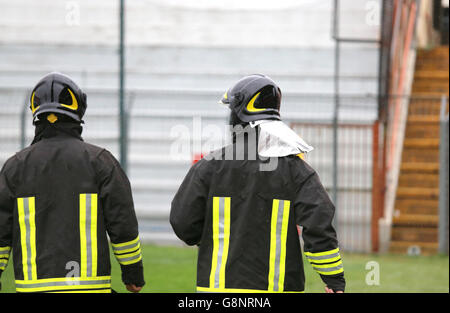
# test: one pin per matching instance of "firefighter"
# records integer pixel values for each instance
(241, 204)
(60, 198)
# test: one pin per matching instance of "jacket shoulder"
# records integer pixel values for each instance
(299, 168)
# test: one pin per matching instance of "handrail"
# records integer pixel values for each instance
(402, 58)
(400, 65)
(443, 178)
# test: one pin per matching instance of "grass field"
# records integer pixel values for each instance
(173, 269)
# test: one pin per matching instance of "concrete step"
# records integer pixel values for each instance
(421, 143)
(417, 167)
(441, 52)
(422, 130)
(430, 87)
(424, 74)
(415, 206)
(418, 180)
(416, 220)
(420, 193)
(426, 119)
(420, 155)
(430, 81)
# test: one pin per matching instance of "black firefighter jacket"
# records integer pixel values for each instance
(59, 198)
(245, 219)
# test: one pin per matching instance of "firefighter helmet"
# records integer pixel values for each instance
(57, 93)
(254, 97)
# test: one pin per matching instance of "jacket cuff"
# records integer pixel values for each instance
(335, 282)
(133, 274)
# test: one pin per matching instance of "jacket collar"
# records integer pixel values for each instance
(59, 129)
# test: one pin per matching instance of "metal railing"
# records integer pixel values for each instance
(443, 178)
(361, 145)
(397, 55)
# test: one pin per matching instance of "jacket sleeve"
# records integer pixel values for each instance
(314, 211)
(120, 218)
(187, 214)
(6, 216)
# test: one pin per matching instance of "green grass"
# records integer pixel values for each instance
(173, 269)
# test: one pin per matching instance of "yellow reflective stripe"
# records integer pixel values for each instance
(221, 240)
(63, 283)
(33, 109)
(215, 224)
(283, 244)
(226, 242)
(278, 240)
(70, 287)
(5, 249)
(83, 291)
(131, 261)
(235, 290)
(328, 265)
(273, 243)
(251, 104)
(117, 252)
(325, 260)
(27, 215)
(341, 270)
(83, 242)
(127, 255)
(32, 220)
(88, 234)
(123, 244)
(62, 279)
(322, 253)
(4, 254)
(74, 105)
(23, 236)
(94, 233)
(126, 252)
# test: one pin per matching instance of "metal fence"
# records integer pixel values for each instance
(155, 176)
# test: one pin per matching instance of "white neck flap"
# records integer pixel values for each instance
(276, 139)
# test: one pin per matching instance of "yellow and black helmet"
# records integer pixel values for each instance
(57, 93)
(254, 97)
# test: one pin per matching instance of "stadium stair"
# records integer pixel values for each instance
(416, 218)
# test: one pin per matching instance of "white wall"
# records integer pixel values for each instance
(282, 23)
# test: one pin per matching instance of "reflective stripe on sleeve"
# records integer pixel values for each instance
(326, 262)
(4, 257)
(128, 252)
